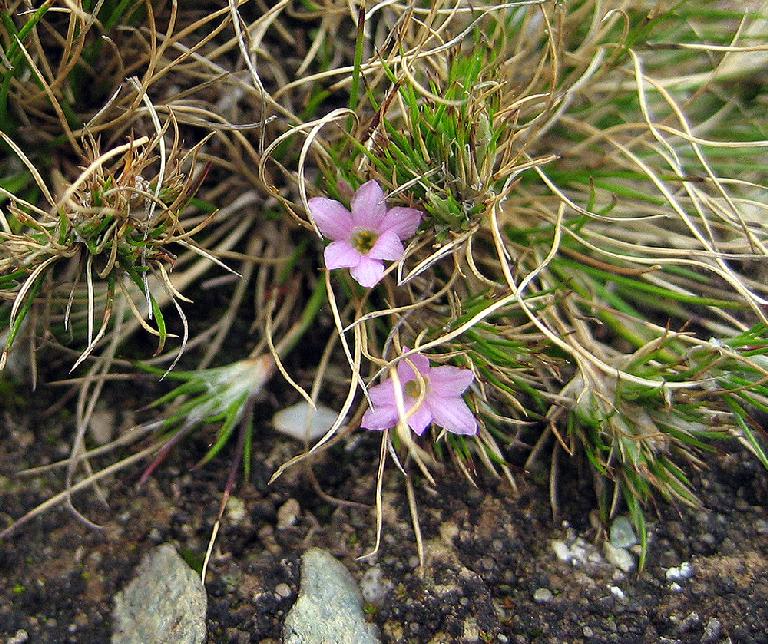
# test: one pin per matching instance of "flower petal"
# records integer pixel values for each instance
(402, 221)
(379, 418)
(387, 246)
(452, 414)
(341, 254)
(333, 219)
(369, 206)
(383, 394)
(450, 381)
(420, 419)
(405, 372)
(368, 272)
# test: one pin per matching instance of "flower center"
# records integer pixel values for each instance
(363, 240)
(413, 389)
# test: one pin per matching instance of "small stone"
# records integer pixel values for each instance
(375, 586)
(688, 623)
(578, 553)
(761, 525)
(283, 591)
(19, 637)
(561, 550)
(622, 533)
(471, 631)
(711, 631)
(594, 557)
(304, 422)
(543, 595)
(235, 510)
(680, 573)
(619, 557)
(617, 592)
(165, 602)
(287, 514)
(329, 607)
(675, 587)
(102, 425)
(587, 632)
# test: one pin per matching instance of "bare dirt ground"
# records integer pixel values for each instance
(487, 552)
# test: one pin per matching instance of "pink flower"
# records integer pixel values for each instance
(362, 239)
(442, 403)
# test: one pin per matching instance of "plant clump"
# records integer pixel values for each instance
(558, 206)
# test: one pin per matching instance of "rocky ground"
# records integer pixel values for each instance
(498, 569)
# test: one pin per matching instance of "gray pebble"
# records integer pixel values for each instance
(543, 595)
(329, 607)
(711, 631)
(165, 602)
(622, 533)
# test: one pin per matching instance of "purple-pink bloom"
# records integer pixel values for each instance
(442, 403)
(362, 239)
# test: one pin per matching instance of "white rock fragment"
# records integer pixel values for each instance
(303, 423)
(20, 637)
(682, 572)
(619, 557)
(577, 553)
(562, 551)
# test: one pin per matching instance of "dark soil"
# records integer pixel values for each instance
(487, 552)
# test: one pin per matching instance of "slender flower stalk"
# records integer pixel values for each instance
(441, 398)
(363, 239)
